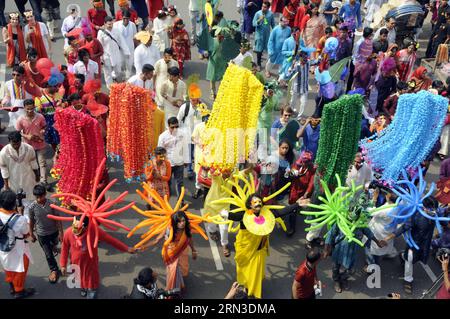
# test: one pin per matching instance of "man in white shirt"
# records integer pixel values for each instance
(161, 72)
(116, 51)
(390, 26)
(71, 22)
(360, 173)
(144, 79)
(176, 145)
(128, 30)
(86, 66)
(173, 92)
(15, 262)
(145, 53)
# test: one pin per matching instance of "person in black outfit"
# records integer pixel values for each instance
(145, 286)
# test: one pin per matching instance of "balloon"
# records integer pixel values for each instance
(44, 65)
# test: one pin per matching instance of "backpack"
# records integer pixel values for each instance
(186, 111)
(7, 235)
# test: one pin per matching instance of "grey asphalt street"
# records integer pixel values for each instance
(205, 281)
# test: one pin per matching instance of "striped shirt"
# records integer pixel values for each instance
(302, 80)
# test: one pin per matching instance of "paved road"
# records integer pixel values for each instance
(205, 281)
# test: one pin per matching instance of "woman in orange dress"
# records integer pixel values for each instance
(14, 41)
(158, 173)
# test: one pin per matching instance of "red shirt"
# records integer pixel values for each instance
(133, 14)
(443, 293)
(305, 277)
(33, 127)
(96, 18)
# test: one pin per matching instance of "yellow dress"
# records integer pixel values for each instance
(251, 261)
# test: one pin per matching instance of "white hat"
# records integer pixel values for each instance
(73, 6)
(336, 4)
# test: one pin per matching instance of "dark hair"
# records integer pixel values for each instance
(162, 14)
(384, 31)
(248, 202)
(19, 69)
(174, 71)
(328, 30)
(172, 120)
(73, 97)
(313, 6)
(8, 200)
(147, 68)
(367, 32)
(168, 51)
(126, 14)
(109, 19)
(39, 190)
(28, 102)
(287, 109)
(85, 220)
(32, 51)
(175, 218)
(80, 77)
(313, 255)
(71, 39)
(437, 84)
(160, 150)
(15, 137)
(145, 277)
(82, 53)
(344, 28)
(179, 21)
(266, 3)
(205, 118)
(306, 2)
(290, 156)
(338, 20)
(430, 203)
(401, 85)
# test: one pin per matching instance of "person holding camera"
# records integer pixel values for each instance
(145, 286)
(444, 292)
(15, 254)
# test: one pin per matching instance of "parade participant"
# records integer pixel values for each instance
(173, 91)
(360, 173)
(73, 246)
(97, 16)
(323, 40)
(14, 41)
(263, 22)
(386, 83)
(92, 90)
(86, 66)
(173, 14)
(363, 48)
(421, 79)
(144, 79)
(350, 12)
(180, 43)
(145, 286)
(71, 22)
(161, 28)
(76, 103)
(390, 104)
(270, 103)
(162, 67)
(50, 13)
(314, 28)
(116, 52)
(18, 166)
(71, 53)
(381, 44)
(289, 51)
(390, 24)
(141, 8)
(364, 75)
(146, 52)
(444, 292)
(32, 127)
(299, 92)
(344, 48)
(201, 173)
(277, 6)
(290, 11)
(286, 114)
(244, 54)
(406, 61)
(128, 29)
(302, 179)
(154, 6)
(125, 7)
(380, 123)
(276, 40)
(93, 46)
(16, 261)
(250, 9)
(37, 36)
(31, 72)
(306, 278)
(174, 141)
(76, 86)
(48, 232)
(311, 134)
(158, 172)
(15, 93)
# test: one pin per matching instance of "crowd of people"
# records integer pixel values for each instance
(146, 44)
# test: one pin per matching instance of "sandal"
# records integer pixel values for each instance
(337, 287)
(226, 251)
(407, 286)
(214, 236)
(53, 277)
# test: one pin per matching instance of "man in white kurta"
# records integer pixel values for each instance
(128, 31)
(144, 79)
(15, 262)
(18, 166)
(146, 52)
(161, 73)
(115, 49)
(174, 94)
(360, 173)
(71, 22)
(15, 94)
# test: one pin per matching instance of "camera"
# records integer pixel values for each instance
(163, 294)
(20, 196)
(443, 253)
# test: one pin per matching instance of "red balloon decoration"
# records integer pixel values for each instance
(44, 65)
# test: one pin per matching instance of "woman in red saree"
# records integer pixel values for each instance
(181, 44)
(314, 28)
(290, 11)
(158, 173)
(14, 41)
(406, 59)
(421, 80)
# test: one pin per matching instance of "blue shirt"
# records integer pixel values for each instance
(311, 139)
(351, 13)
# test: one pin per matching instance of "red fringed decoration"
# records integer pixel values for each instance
(97, 214)
(130, 128)
(81, 151)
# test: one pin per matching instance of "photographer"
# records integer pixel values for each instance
(145, 286)
(444, 292)
(15, 254)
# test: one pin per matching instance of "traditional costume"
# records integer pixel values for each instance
(38, 38)
(161, 76)
(406, 62)
(15, 42)
(71, 22)
(15, 94)
(96, 16)
(128, 33)
(262, 32)
(160, 27)
(181, 44)
(250, 9)
(276, 41)
(144, 54)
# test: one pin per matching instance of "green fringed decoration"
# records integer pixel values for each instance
(340, 129)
